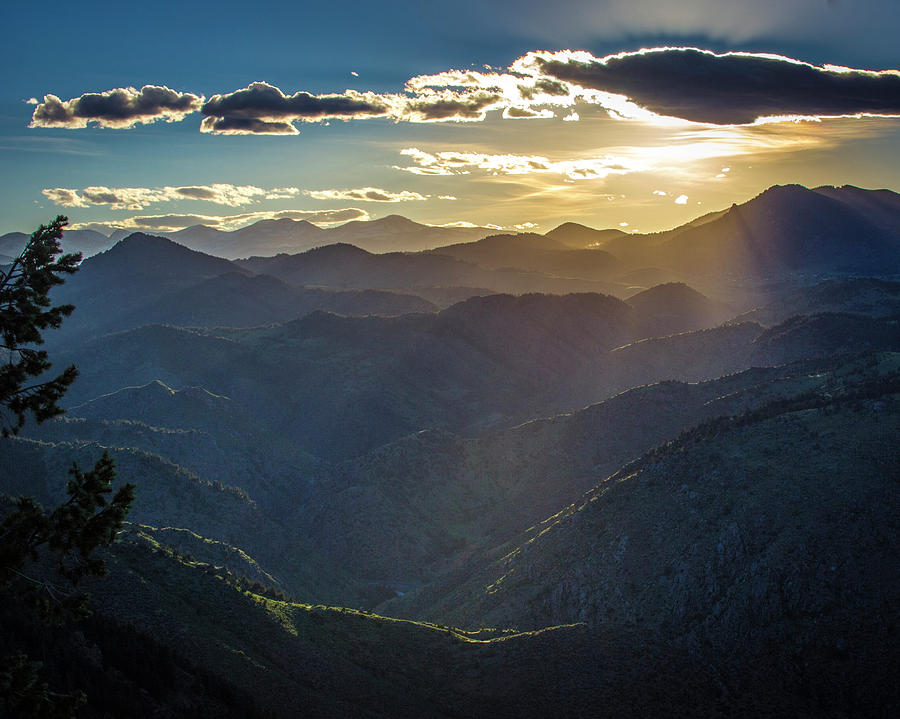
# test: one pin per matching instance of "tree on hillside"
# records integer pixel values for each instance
(45, 553)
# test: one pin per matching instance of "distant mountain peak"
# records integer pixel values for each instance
(142, 239)
(144, 253)
(577, 235)
(782, 193)
(570, 226)
(396, 221)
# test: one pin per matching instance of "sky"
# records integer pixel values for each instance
(633, 114)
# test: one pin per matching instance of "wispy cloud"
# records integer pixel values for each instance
(120, 108)
(174, 222)
(54, 145)
(672, 152)
(137, 198)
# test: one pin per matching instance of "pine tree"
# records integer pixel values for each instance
(45, 553)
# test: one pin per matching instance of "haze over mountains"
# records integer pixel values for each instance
(531, 475)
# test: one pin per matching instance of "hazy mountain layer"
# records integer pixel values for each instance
(146, 279)
(785, 229)
(341, 385)
(87, 242)
(270, 237)
(349, 267)
(536, 253)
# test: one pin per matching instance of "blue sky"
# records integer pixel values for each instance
(645, 166)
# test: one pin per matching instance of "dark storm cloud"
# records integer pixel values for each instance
(731, 88)
(122, 107)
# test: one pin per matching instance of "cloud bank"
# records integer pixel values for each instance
(688, 84)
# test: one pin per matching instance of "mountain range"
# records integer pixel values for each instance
(511, 475)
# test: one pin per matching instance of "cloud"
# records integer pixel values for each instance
(681, 200)
(462, 163)
(120, 108)
(671, 152)
(246, 126)
(366, 194)
(65, 198)
(174, 222)
(465, 224)
(525, 113)
(282, 193)
(448, 106)
(261, 108)
(137, 198)
(732, 88)
(672, 85)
